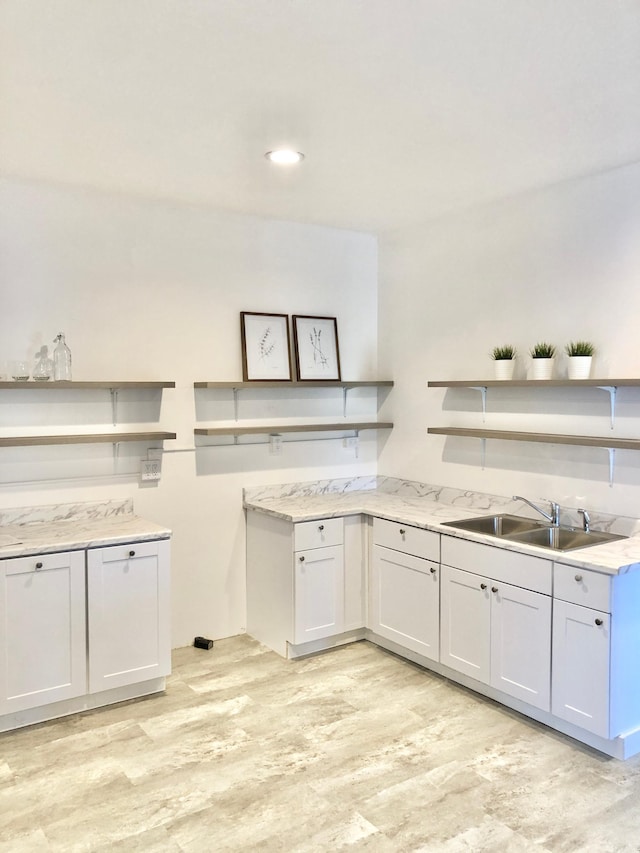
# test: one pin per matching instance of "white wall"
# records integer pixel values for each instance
(150, 290)
(558, 265)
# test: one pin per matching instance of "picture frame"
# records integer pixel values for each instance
(266, 347)
(316, 348)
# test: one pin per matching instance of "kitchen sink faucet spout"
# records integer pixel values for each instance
(553, 516)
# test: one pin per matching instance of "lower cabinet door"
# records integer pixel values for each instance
(318, 594)
(128, 614)
(521, 644)
(580, 683)
(43, 649)
(405, 600)
(465, 623)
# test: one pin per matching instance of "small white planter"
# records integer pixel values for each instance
(542, 368)
(504, 368)
(579, 366)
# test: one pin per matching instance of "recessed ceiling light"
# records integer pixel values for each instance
(284, 156)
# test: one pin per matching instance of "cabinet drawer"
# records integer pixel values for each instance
(318, 534)
(36, 563)
(130, 551)
(582, 586)
(407, 539)
(521, 570)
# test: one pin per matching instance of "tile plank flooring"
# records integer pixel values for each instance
(354, 749)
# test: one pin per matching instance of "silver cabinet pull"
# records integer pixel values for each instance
(302, 559)
(321, 527)
(132, 553)
(483, 586)
(598, 622)
(494, 589)
(578, 578)
(402, 531)
(433, 570)
(39, 565)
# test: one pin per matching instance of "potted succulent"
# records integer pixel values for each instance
(504, 361)
(580, 357)
(542, 354)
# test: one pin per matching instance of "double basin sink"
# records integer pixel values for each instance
(515, 528)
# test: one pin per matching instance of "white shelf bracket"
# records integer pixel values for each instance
(483, 393)
(483, 451)
(344, 402)
(114, 405)
(116, 450)
(612, 389)
(236, 391)
(612, 464)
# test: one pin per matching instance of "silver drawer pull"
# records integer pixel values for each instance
(302, 559)
(494, 589)
(433, 571)
(39, 565)
(321, 527)
(483, 586)
(402, 531)
(578, 578)
(598, 622)
(132, 553)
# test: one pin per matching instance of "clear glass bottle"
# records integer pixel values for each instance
(43, 368)
(61, 359)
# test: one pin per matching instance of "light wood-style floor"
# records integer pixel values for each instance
(353, 750)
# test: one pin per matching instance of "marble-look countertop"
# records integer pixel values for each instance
(72, 527)
(431, 507)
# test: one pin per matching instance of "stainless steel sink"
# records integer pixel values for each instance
(497, 525)
(564, 538)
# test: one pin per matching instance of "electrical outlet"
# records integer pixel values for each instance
(150, 469)
(275, 445)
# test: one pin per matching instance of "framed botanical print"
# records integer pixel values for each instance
(266, 347)
(316, 348)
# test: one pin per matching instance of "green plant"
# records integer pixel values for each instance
(579, 348)
(503, 353)
(543, 350)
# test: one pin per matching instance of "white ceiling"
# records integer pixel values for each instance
(405, 109)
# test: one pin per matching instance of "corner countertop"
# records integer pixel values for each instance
(431, 511)
(73, 527)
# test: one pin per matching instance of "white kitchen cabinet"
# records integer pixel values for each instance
(465, 623)
(305, 582)
(493, 631)
(128, 614)
(42, 630)
(581, 655)
(405, 587)
(319, 593)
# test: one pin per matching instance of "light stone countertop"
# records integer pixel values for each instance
(432, 510)
(73, 527)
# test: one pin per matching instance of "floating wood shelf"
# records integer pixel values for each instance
(535, 383)
(312, 383)
(33, 385)
(276, 429)
(609, 385)
(548, 438)
(88, 438)
(236, 387)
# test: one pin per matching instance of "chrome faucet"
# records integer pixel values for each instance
(586, 520)
(553, 516)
